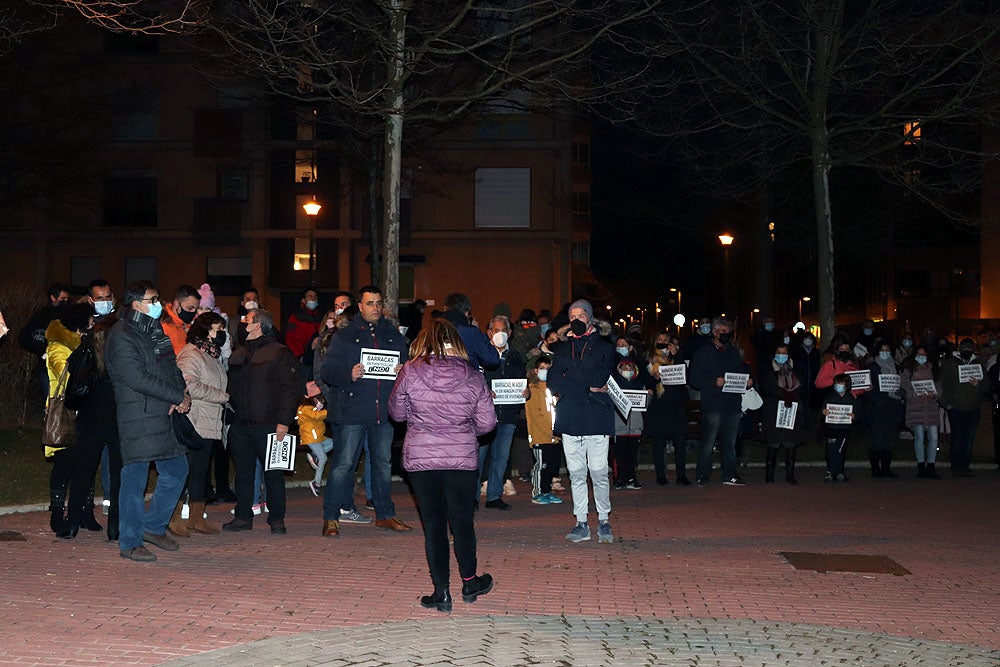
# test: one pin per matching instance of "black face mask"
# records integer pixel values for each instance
(578, 327)
(220, 338)
(844, 356)
(662, 346)
(187, 316)
(966, 355)
(724, 338)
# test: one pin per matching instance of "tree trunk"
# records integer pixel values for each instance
(375, 166)
(824, 235)
(393, 157)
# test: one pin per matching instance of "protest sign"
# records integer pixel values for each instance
(280, 455)
(618, 397)
(839, 414)
(379, 364)
(786, 415)
(860, 379)
(637, 398)
(509, 391)
(923, 388)
(736, 383)
(888, 382)
(968, 372)
(674, 374)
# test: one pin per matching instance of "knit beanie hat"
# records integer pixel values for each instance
(207, 296)
(585, 306)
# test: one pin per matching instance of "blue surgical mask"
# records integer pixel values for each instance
(543, 374)
(628, 375)
(312, 305)
(868, 332)
(768, 326)
(840, 389)
(781, 358)
(103, 308)
(705, 329)
(545, 329)
(884, 355)
(807, 343)
(155, 310)
(623, 351)
(920, 359)
(907, 342)
(787, 340)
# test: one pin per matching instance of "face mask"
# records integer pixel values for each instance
(545, 329)
(840, 389)
(662, 346)
(578, 327)
(338, 311)
(769, 326)
(884, 355)
(868, 332)
(966, 355)
(921, 359)
(724, 338)
(705, 329)
(543, 374)
(807, 343)
(251, 305)
(623, 351)
(993, 343)
(155, 310)
(844, 356)
(500, 338)
(330, 324)
(787, 340)
(187, 317)
(312, 305)
(780, 358)
(907, 343)
(220, 338)
(104, 307)
(628, 375)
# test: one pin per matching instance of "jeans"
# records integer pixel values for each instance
(443, 501)
(583, 451)
(499, 450)
(319, 450)
(248, 445)
(921, 435)
(133, 519)
(963, 434)
(340, 482)
(724, 427)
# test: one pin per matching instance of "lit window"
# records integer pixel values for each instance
(911, 132)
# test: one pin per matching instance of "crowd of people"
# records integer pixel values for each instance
(345, 378)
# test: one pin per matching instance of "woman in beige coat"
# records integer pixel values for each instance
(201, 364)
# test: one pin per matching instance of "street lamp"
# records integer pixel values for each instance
(755, 310)
(312, 209)
(610, 316)
(726, 239)
(805, 298)
(674, 289)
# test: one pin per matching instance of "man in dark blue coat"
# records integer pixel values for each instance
(585, 415)
(482, 354)
(362, 411)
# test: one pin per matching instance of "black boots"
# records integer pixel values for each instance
(770, 461)
(931, 473)
(875, 459)
(885, 460)
(921, 470)
(476, 586)
(57, 508)
(790, 465)
(440, 600)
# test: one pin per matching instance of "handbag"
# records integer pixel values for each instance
(752, 400)
(185, 431)
(60, 422)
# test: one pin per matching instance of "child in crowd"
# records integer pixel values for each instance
(540, 410)
(627, 431)
(312, 432)
(835, 432)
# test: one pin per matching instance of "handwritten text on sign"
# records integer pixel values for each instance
(888, 383)
(968, 372)
(674, 374)
(379, 364)
(860, 379)
(786, 415)
(923, 388)
(736, 383)
(618, 397)
(509, 391)
(838, 414)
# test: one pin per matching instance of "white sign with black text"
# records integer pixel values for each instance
(280, 454)
(674, 374)
(968, 372)
(509, 391)
(837, 413)
(736, 383)
(860, 379)
(618, 397)
(379, 364)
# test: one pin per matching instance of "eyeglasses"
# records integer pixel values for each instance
(152, 299)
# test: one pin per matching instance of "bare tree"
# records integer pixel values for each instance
(153, 17)
(886, 85)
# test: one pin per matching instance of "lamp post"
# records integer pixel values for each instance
(726, 239)
(610, 316)
(674, 289)
(755, 310)
(312, 208)
(805, 298)
(657, 323)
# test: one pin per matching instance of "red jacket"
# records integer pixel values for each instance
(833, 367)
(301, 327)
(175, 329)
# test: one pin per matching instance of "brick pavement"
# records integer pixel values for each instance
(685, 561)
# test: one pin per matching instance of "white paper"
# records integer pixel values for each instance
(786, 415)
(888, 382)
(674, 374)
(509, 391)
(860, 379)
(736, 383)
(638, 399)
(968, 372)
(280, 455)
(618, 397)
(838, 413)
(860, 351)
(379, 364)
(923, 387)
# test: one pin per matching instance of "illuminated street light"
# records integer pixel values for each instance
(805, 298)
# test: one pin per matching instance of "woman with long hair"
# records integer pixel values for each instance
(446, 404)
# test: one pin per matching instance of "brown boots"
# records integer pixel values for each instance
(197, 523)
(177, 525)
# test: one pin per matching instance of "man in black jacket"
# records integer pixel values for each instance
(263, 392)
(32, 336)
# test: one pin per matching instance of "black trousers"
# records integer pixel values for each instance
(443, 501)
(679, 438)
(86, 459)
(548, 459)
(836, 453)
(248, 445)
(626, 452)
(220, 466)
(198, 462)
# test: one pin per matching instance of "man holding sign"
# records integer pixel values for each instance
(963, 388)
(361, 365)
(721, 410)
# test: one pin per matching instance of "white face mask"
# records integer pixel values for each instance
(543, 374)
(628, 375)
(251, 305)
(339, 311)
(500, 338)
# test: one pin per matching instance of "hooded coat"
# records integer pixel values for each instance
(579, 363)
(446, 404)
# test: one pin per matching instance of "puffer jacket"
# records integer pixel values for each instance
(920, 410)
(147, 382)
(61, 343)
(446, 404)
(206, 383)
(263, 390)
(579, 363)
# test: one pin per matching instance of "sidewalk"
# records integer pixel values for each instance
(695, 576)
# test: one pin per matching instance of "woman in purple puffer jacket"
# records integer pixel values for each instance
(446, 404)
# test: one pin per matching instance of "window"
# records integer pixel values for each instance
(140, 268)
(581, 204)
(911, 132)
(218, 133)
(228, 276)
(503, 197)
(130, 198)
(581, 154)
(134, 111)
